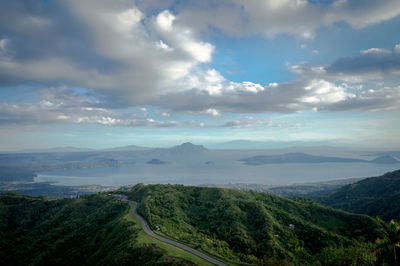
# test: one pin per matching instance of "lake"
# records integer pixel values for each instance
(224, 172)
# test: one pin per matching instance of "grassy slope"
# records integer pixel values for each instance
(246, 227)
(90, 230)
(172, 251)
(375, 196)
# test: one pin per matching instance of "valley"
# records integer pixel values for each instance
(216, 203)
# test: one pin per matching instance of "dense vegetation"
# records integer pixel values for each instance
(249, 227)
(375, 196)
(388, 245)
(89, 230)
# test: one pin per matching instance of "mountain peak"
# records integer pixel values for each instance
(189, 147)
(188, 144)
(385, 159)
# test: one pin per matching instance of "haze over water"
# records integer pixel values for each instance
(217, 173)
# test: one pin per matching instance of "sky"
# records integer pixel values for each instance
(99, 73)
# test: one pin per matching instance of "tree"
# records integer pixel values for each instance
(388, 245)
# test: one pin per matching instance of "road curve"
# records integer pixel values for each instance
(148, 231)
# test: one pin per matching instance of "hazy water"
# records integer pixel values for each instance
(217, 173)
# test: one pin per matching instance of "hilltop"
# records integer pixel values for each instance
(90, 230)
(248, 227)
(185, 149)
(375, 196)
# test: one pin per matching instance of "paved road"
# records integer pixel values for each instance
(148, 231)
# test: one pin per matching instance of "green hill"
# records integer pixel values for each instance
(90, 230)
(247, 227)
(375, 196)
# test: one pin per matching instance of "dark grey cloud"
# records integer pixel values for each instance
(286, 98)
(63, 105)
(128, 54)
(364, 83)
(375, 62)
(271, 17)
(37, 31)
(84, 43)
(112, 48)
(386, 98)
(374, 67)
(250, 121)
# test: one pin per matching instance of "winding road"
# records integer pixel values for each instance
(148, 231)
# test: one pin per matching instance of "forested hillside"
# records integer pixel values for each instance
(375, 196)
(235, 226)
(248, 227)
(89, 230)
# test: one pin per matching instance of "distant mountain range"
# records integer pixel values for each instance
(75, 149)
(299, 157)
(264, 145)
(182, 149)
(279, 152)
(229, 145)
(23, 166)
(56, 149)
(127, 148)
(389, 153)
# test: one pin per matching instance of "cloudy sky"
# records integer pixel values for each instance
(100, 73)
